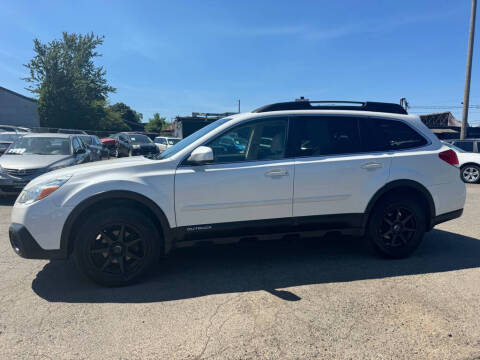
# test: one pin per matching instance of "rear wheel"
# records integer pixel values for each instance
(470, 174)
(396, 226)
(116, 246)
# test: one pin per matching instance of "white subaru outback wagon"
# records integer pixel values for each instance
(366, 169)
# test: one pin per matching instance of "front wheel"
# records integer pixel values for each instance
(116, 246)
(470, 174)
(396, 226)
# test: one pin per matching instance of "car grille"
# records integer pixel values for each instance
(21, 172)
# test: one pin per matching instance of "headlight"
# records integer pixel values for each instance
(41, 190)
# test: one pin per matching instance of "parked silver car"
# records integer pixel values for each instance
(7, 138)
(36, 154)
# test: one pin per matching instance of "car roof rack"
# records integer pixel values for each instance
(305, 104)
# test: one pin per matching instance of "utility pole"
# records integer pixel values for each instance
(466, 95)
(239, 105)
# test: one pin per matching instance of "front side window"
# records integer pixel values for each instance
(465, 145)
(76, 143)
(388, 135)
(258, 140)
(324, 135)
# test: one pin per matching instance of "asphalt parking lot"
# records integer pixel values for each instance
(324, 298)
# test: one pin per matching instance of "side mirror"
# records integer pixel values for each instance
(80, 151)
(201, 155)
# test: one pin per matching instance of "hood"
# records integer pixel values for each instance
(31, 161)
(99, 168)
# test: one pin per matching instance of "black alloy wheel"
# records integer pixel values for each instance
(117, 246)
(118, 249)
(397, 225)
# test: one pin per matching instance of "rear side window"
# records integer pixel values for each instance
(388, 135)
(465, 145)
(323, 135)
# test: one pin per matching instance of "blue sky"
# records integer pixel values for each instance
(175, 57)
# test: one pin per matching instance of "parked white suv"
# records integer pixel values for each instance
(164, 142)
(298, 167)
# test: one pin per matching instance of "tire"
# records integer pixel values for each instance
(396, 226)
(109, 258)
(470, 174)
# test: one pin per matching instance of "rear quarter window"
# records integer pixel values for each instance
(388, 135)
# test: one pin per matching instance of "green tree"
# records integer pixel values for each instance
(110, 120)
(156, 124)
(70, 87)
(126, 113)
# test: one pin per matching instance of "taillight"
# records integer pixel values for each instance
(449, 156)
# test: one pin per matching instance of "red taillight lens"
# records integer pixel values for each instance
(449, 156)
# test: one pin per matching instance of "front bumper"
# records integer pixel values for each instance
(27, 247)
(10, 183)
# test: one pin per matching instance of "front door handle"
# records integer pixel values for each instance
(276, 172)
(371, 166)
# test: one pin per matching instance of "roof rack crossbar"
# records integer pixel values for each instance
(305, 104)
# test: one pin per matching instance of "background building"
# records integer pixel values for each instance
(186, 125)
(17, 109)
(446, 126)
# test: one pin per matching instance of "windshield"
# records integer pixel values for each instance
(40, 146)
(139, 139)
(454, 147)
(8, 137)
(172, 141)
(191, 139)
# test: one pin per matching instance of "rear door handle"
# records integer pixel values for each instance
(276, 172)
(371, 166)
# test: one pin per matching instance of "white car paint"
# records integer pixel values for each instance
(219, 193)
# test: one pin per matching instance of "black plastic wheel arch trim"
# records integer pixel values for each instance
(396, 184)
(66, 241)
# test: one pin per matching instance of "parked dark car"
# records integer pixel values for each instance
(468, 145)
(110, 144)
(131, 144)
(97, 149)
(7, 138)
(71, 131)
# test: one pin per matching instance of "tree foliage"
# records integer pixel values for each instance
(126, 113)
(156, 124)
(71, 89)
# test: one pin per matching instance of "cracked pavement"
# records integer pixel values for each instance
(318, 298)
